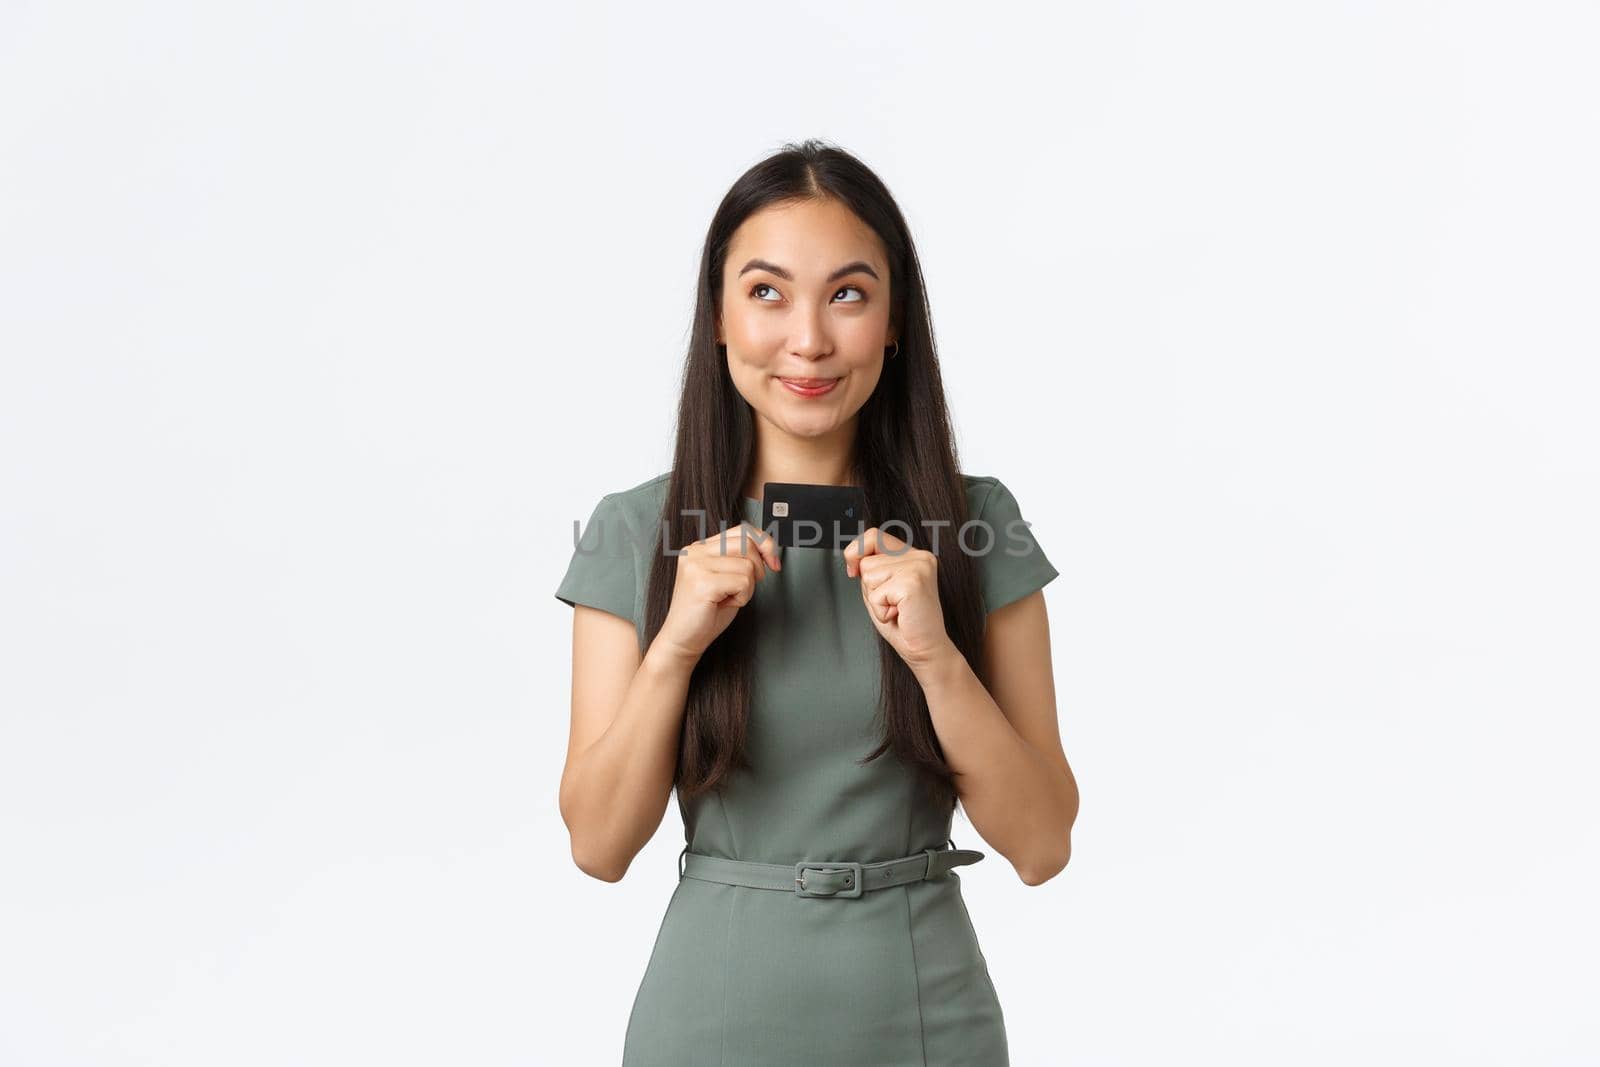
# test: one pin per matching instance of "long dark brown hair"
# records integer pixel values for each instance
(905, 461)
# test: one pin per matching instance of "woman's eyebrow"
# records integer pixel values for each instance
(859, 266)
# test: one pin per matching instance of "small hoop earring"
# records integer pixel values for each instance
(896, 351)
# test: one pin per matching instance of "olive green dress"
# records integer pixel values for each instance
(742, 976)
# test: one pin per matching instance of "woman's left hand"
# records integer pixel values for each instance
(900, 586)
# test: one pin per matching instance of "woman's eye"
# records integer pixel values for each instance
(756, 291)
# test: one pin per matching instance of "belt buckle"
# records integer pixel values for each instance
(855, 879)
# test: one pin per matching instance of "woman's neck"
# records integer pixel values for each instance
(780, 457)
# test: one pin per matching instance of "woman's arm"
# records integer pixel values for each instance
(627, 714)
(1003, 739)
(627, 710)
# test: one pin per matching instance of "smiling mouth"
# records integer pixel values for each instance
(810, 388)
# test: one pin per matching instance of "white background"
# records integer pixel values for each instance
(321, 323)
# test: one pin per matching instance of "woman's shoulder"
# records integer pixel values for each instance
(1012, 563)
(979, 487)
(637, 507)
(648, 493)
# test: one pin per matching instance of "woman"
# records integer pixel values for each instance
(819, 712)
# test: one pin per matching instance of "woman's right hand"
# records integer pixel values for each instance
(717, 576)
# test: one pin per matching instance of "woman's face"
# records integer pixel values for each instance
(805, 295)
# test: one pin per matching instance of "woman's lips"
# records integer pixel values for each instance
(809, 386)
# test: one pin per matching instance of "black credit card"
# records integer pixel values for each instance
(813, 516)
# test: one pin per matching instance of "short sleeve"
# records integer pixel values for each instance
(601, 573)
(1015, 564)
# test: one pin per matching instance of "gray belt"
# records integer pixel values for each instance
(830, 878)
